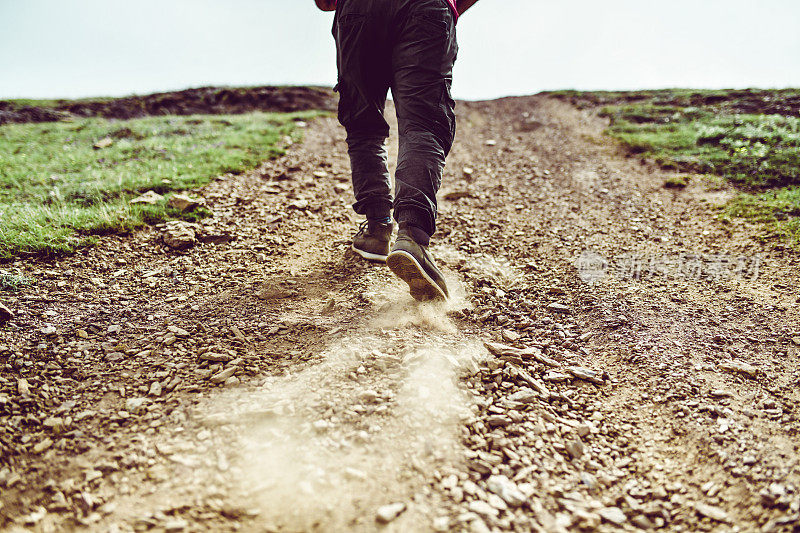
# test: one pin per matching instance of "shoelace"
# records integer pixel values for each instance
(362, 228)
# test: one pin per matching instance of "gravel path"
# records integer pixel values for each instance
(614, 357)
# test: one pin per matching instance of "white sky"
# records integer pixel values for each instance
(59, 48)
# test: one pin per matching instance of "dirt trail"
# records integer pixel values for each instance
(655, 390)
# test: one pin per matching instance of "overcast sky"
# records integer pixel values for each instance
(58, 48)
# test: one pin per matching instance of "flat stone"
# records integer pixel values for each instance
(203, 373)
(183, 203)
(721, 393)
(510, 336)
(575, 448)
(613, 515)
(301, 204)
(48, 330)
(216, 357)
(498, 420)
(711, 511)
(387, 513)
(179, 235)
(105, 142)
(535, 384)
(483, 508)
(149, 198)
(54, 423)
(222, 376)
(368, 396)
(559, 308)
(586, 374)
(642, 522)
(736, 366)
(524, 395)
(497, 502)
(495, 348)
(23, 388)
(114, 357)
(43, 445)
(531, 352)
(155, 389)
(506, 489)
(135, 405)
(179, 332)
(555, 377)
(479, 466)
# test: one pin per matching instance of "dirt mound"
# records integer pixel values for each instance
(770, 102)
(201, 101)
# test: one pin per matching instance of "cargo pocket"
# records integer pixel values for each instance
(346, 103)
(347, 33)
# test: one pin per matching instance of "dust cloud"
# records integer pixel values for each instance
(324, 448)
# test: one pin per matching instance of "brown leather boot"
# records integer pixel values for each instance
(372, 240)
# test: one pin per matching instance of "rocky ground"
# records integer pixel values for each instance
(614, 357)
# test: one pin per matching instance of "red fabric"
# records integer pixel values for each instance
(452, 5)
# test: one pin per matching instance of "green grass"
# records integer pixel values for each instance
(57, 191)
(751, 150)
(11, 282)
(748, 137)
(17, 103)
(778, 210)
(729, 101)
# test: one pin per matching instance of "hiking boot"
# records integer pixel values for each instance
(411, 262)
(372, 240)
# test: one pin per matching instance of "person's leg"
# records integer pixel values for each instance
(363, 60)
(424, 51)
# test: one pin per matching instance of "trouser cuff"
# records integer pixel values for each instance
(378, 210)
(419, 235)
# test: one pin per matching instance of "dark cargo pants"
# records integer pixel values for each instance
(408, 46)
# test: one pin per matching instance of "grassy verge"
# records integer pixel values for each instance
(777, 209)
(58, 190)
(750, 150)
(749, 137)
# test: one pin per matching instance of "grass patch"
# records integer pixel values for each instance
(676, 182)
(750, 150)
(748, 137)
(778, 209)
(57, 190)
(784, 102)
(11, 282)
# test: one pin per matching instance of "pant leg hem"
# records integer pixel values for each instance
(418, 224)
(373, 209)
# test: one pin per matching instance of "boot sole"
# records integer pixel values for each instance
(369, 255)
(423, 288)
